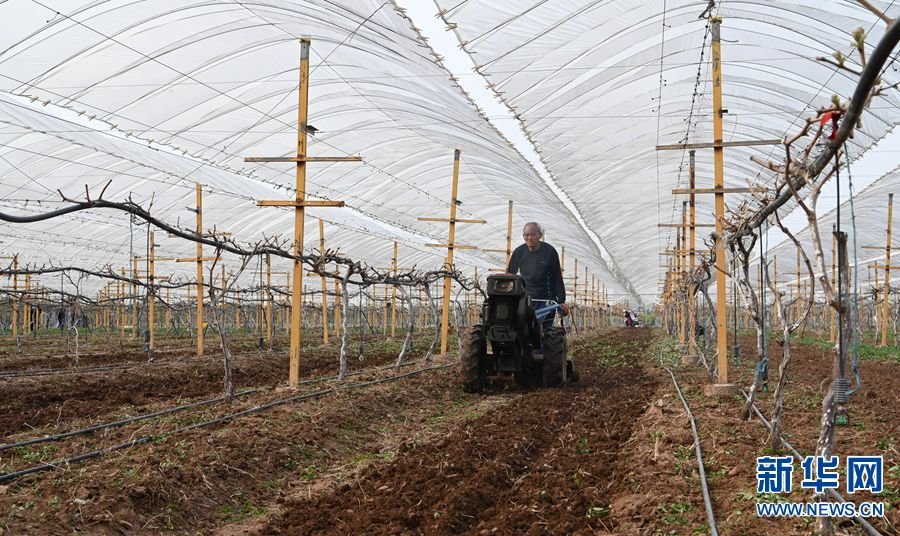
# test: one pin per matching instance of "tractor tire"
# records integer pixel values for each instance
(470, 355)
(554, 357)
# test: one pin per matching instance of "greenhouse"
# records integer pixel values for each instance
(449, 267)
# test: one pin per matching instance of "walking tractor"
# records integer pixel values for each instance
(510, 340)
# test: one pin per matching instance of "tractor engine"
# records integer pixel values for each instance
(509, 321)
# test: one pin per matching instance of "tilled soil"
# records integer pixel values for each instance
(611, 454)
(536, 466)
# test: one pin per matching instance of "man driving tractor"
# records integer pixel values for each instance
(538, 264)
(514, 338)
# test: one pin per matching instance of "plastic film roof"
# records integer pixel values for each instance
(156, 95)
(598, 84)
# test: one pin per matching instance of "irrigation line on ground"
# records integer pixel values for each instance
(872, 531)
(707, 502)
(123, 422)
(219, 420)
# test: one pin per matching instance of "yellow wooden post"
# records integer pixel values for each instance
(15, 300)
(384, 312)
(475, 313)
(269, 327)
(120, 294)
(575, 296)
(584, 301)
(683, 307)
(719, 168)
(394, 296)
(299, 203)
(324, 286)
(134, 303)
(885, 304)
(450, 245)
(445, 310)
(199, 195)
(151, 301)
(26, 317)
(692, 342)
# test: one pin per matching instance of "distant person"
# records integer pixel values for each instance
(538, 264)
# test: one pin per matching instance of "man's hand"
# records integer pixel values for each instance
(563, 309)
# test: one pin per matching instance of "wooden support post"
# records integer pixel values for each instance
(692, 341)
(886, 299)
(270, 329)
(445, 311)
(394, 296)
(384, 315)
(575, 296)
(475, 313)
(151, 309)
(15, 298)
(120, 294)
(719, 169)
(199, 195)
(26, 309)
(134, 297)
(450, 245)
(299, 203)
(680, 258)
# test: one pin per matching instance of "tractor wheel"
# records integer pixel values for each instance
(470, 355)
(554, 357)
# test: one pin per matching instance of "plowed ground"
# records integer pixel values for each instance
(611, 454)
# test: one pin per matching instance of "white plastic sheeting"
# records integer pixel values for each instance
(155, 95)
(598, 84)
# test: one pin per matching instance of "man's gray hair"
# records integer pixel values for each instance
(534, 224)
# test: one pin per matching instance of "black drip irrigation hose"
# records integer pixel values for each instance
(56, 464)
(123, 422)
(870, 530)
(707, 502)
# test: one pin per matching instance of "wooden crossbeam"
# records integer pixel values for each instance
(689, 226)
(456, 220)
(284, 159)
(719, 190)
(450, 246)
(717, 145)
(298, 203)
(195, 259)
